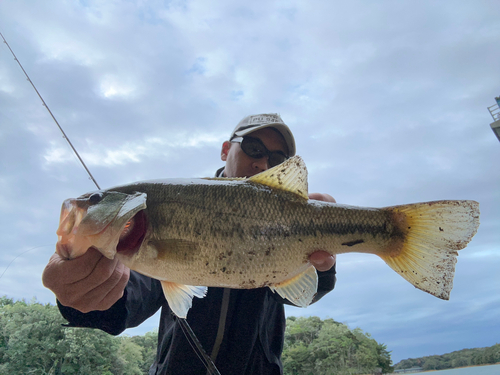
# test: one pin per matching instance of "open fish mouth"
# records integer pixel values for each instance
(133, 234)
(70, 218)
(110, 221)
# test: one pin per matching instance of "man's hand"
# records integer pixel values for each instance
(320, 259)
(87, 283)
(322, 197)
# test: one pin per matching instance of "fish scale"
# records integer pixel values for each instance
(259, 232)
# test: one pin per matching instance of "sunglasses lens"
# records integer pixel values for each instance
(254, 148)
(276, 158)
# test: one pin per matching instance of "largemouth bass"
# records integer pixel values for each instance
(259, 232)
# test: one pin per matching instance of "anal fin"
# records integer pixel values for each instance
(180, 297)
(301, 289)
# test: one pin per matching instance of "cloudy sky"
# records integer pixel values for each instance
(387, 100)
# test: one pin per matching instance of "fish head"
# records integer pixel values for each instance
(110, 221)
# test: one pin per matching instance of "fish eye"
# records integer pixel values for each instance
(95, 198)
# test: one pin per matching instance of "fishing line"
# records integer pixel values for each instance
(198, 348)
(24, 252)
(186, 329)
(48, 109)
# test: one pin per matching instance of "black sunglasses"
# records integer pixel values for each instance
(254, 148)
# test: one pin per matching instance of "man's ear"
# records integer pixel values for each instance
(225, 150)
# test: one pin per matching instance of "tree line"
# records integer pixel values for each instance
(321, 347)
(33, 340)
(461, 358)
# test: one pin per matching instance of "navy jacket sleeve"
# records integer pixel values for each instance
(143, 296)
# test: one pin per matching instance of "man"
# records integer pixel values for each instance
(241, 329)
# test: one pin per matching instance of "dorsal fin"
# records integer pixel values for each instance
(290, 176)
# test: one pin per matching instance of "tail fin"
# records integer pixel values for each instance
(435, 231)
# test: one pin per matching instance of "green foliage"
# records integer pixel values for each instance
(88, 351)
(315, 346)
(33, 341)
(129, 357)
(29, 336)
(461, 358)
(148, 344)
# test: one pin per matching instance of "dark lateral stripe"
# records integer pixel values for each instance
(352, 243)
(322, 229)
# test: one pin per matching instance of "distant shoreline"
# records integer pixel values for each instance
(453, 368)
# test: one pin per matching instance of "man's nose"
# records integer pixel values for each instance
(261, 164)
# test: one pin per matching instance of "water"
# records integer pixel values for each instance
(479, 370)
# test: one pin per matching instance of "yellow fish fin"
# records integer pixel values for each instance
(180, 297)
(433, 232)
(301, 289)
(290, 176)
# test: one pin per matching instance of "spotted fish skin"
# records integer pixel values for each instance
(243, 235)
(260, 232)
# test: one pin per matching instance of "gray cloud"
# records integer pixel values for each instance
(387, 100)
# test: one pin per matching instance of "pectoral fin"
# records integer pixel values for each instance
(180, 297)
(299, 290)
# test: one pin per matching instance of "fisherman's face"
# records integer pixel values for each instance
(239, 164)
